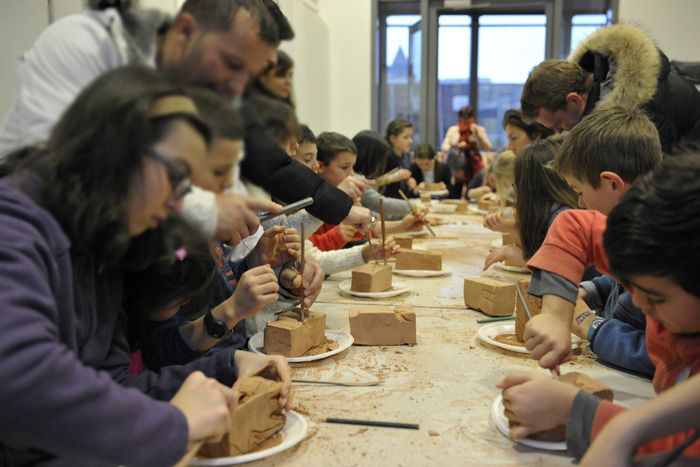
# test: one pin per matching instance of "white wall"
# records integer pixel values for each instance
(673, 24)
(332, 56)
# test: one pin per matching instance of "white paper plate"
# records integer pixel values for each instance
(292, 433)
(444, 208)
(446, 271)
(488, 333)
(434, 193)
(397, 288)
(475, 210)
(344, 339)
(518, 269)
(501, 421)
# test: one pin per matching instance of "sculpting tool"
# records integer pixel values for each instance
(497, 318)
(374, 382)
(287, 209)
(381, 219)
(384, 179)
(413, 210)
(526, 308)
(301, 272)
(189, 455)
(347, 421)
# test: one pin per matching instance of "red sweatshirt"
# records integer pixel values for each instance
(575, 242)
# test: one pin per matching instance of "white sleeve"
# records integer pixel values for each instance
(66, 57)
(337, 260)
(451, 138)
(200, 210)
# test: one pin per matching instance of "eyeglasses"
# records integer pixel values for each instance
(180, 182)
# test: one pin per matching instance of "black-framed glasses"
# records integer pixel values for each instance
(180, 182)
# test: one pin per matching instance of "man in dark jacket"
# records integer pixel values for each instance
(616, 65)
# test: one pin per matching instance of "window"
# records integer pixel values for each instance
(454, 59)
(401, 74)
(583, 25)
(509, 47)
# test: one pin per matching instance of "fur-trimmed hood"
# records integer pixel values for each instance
(635, 66)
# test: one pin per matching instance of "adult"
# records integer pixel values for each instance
(219, 44)
(465, 131)
(276, 80)
(520, 133)
(615, 65)
(77, 212)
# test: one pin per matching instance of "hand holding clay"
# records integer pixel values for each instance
(496, 255)
(277, 246)
(375, 251)
(548, 337)
(411, 183)
(508, 252)
(206, 404)
(258, 287)
(403, 174)
(535, 403)
(274, 367)
(413, 221)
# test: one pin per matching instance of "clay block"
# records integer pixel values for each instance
(534, 303)
(404, 242)
(462, 204)
(510, 262)
(293, 338)
(434, 186)
(371, 277)
(507, 239)
(419, 259)
(493, 297)
(256, 421)
(383, 325)
(425, 197)
(581, 381)
(484, 204)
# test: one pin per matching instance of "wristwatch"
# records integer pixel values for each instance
(215, 327)
(593, 328)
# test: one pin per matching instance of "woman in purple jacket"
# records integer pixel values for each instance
(77, 214)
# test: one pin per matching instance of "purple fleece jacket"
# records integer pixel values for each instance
(61, 350)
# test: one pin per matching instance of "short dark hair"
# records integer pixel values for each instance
(185, 268)
(396, 127)
(284, 28)
(218, 15)
(284, 63)
(279, 118)
(465, 112)
(424, 151)
(533, 129)
(330, 144)
(220, 116)
(306, 135)
(549, 83)
(372, 153)
(653, 230)
(615, 139)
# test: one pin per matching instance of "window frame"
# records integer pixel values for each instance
(557, 40)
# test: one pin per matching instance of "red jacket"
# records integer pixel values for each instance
(328, 238)
(575, 242)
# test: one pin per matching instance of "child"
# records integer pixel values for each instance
(339, 260)
(651, 245)
(115, 165)
(372, 156)
(336, 157)
(541, 194)
(572, 242)
(307, 152)
(425, 169)
(503, 176)
(399, 135)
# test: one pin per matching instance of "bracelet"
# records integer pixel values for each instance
(582, 317)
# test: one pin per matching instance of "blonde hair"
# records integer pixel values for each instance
(503, 174)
